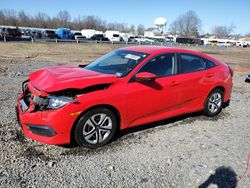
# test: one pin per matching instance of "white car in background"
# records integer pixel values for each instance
(88, 33)
(241, 44)
(143, 39)
(224, 44)
(113, 36)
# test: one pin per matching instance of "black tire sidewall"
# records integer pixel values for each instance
(206, 110)
(79, 127)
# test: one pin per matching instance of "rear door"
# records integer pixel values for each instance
(193, 76)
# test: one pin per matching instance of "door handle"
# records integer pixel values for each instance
(209, 75)
(175, 83)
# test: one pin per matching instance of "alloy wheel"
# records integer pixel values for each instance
(97, 128)
(215, 102)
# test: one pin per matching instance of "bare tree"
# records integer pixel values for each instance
(64, 18)
(89, 22)
(78, 23)
(24, 19)
(93, 22)
(140, 29)
(2, 17)
(11, 17)
(132, 29)
(117, 26)
(223, 31)
(187, 24)
(42, 20)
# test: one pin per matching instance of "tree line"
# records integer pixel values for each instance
(63, 19)
(189, 25)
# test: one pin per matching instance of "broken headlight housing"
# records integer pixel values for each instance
(58, 102)
(51, 102)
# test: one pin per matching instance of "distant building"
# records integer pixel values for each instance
(152, 32)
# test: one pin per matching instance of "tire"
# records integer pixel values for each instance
(214, 103)
(96, 128)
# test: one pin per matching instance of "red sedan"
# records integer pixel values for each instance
(127, 87)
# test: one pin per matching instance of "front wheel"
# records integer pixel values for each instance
(96, 128)
(214, 102)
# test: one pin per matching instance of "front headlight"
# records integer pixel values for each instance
(57, 102)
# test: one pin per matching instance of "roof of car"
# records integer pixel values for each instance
(157, 49)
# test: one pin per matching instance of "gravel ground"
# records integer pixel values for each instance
(181, 152)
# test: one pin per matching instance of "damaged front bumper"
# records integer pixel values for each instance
(47, 126)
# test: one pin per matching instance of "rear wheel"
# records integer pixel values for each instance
(214, 102)
(96, 128)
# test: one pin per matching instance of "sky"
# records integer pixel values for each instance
(211, 12)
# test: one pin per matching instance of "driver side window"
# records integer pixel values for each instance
(161, 66)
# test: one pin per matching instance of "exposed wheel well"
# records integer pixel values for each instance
(110, 107)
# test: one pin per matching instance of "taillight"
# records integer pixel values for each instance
(231, 71)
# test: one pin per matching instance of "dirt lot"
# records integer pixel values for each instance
(181, 152)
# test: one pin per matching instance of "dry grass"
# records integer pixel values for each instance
(68, 53)
(63, 53)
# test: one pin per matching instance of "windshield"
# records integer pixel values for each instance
(119, 62)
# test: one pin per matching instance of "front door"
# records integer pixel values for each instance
(152, 100)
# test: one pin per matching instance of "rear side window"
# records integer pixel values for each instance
(162, 65)
(209, 64)
(115, 35)
(191, 63)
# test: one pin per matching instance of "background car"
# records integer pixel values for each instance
(241, 44)
(131, 39)
(37, 34)
(50, 34)
(99, 37)
(224, 44)
(113, 36)
(125, 88)
(143, 39)
(64, 33)
(77, 35)
(11, 32)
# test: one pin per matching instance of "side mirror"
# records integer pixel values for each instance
(144, 76)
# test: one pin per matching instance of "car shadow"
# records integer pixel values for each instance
(122, 133)
(168, 123)
(161, 123)
(224, 177)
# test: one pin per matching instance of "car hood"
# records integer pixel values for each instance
(57, 78)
